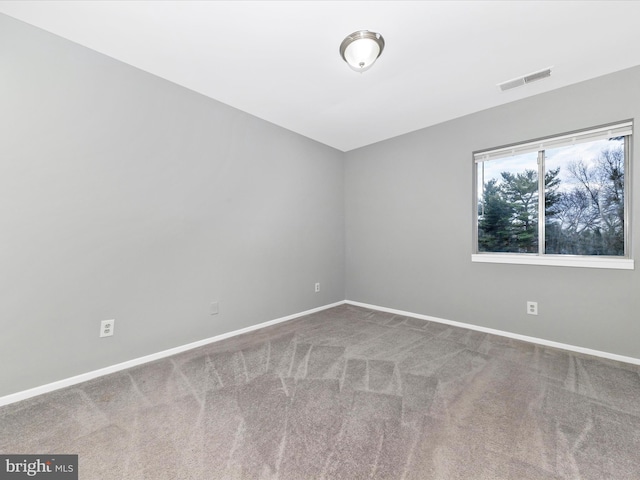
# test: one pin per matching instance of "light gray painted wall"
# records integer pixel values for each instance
(409, 226)
(125, 196)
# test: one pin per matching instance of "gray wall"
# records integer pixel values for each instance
(409, 226)
(125, 196)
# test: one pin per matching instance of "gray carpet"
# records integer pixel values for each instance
(347, 393)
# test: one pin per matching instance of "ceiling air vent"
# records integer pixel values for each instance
(532, 77)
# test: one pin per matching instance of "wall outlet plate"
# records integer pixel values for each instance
(532, 308)
(214, 308)
(107, 327)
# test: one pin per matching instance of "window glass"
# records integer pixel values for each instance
(584, 199)
(508, 204)
(581, 209)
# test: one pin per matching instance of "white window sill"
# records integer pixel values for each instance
(556, 261)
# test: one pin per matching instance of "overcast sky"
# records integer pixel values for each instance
(587, 152)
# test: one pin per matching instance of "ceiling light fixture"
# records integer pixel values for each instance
(361, 49)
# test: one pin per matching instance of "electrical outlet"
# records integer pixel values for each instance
(107, 327)
(317, 287)
(214, 309)
(532, 308)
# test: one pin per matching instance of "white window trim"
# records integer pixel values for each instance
(618, 130)
(555, 260)
(617, 263)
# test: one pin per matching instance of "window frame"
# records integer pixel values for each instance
(539, 145)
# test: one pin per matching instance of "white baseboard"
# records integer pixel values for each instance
(67, 382)
(539, 341)
(16, 397)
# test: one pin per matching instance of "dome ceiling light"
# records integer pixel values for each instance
(361, 49)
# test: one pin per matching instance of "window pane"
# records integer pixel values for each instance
(508, 204)
(584, 198)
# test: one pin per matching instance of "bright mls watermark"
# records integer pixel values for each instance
(49, 467)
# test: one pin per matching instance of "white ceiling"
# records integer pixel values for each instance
(280, 60)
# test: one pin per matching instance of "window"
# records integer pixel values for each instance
(556, 201)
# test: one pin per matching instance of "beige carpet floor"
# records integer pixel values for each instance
(346, 393)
